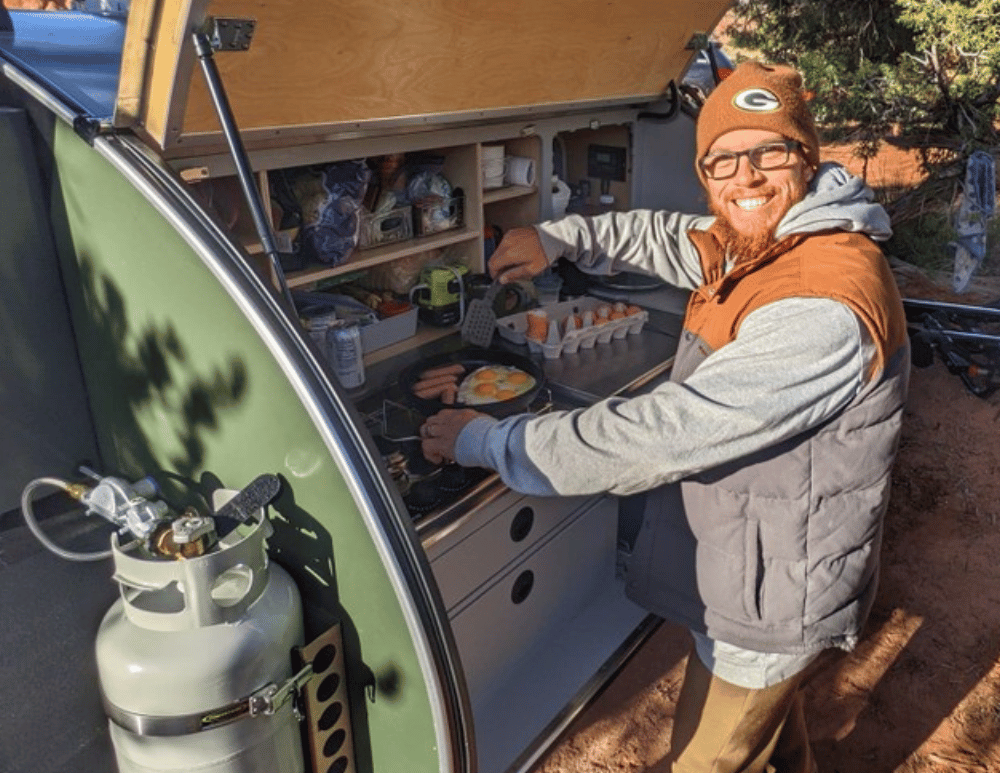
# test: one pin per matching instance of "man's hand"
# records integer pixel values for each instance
(519, 256)
(441, 430)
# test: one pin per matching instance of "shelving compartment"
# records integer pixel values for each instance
(512, 205)
(435, 224)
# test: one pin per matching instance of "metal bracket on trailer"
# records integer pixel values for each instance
(967, 338)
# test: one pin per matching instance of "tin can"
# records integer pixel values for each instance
(346, 357)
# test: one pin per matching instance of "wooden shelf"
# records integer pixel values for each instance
(361, 259)
(424, 335)
(507, 192)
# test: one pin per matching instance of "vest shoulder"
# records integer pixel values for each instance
(829, 260)
(824, 250)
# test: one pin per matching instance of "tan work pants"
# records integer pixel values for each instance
(722, 728)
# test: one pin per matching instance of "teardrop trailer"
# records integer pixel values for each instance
(259, 552)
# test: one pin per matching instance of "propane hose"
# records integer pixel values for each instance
(73, 490)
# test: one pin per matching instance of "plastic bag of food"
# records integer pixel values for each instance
(330, 200)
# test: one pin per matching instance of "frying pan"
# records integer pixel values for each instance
(471, 359)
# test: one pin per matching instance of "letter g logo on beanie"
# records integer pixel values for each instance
(757, 101)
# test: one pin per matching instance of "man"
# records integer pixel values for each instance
(763, 465)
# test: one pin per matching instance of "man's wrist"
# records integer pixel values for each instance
(471, 443)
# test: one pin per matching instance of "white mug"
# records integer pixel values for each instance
(520, 170)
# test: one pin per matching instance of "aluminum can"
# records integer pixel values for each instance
(345, 354)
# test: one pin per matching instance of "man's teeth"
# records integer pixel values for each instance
(760, 201)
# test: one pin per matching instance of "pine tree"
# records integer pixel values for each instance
(921, 66)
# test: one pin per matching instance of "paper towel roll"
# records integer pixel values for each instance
(520, 170)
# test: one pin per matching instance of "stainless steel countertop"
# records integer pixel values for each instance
(619, 366)
(589, 375)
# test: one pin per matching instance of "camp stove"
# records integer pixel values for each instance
(967, 338)
(428, 490)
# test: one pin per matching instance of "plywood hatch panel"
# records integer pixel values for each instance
(314, 68)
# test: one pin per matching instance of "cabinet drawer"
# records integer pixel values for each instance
(497, 628)
(487, 544)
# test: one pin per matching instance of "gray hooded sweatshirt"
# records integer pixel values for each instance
(795, 365)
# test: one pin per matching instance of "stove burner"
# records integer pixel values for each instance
(452, 478)
(419, 464)
(424, 486)
(423, 497)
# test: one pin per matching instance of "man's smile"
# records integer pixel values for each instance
(754, 203)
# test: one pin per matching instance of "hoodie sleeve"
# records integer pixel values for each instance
(643, 241)
(795, 363)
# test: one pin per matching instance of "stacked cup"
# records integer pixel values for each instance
(493, 166)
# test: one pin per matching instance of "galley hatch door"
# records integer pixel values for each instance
(318, 69)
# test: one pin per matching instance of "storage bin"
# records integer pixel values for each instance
(377, 228)
(385, 332)
(434, 214)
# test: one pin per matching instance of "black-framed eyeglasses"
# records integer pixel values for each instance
(766, 157)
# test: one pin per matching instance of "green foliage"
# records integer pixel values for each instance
(926, 65)
(924, 242)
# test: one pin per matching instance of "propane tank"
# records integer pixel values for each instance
(194, 660)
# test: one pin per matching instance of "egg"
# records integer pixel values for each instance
(494, 384)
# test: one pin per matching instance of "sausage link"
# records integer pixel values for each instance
(424, 383)
(431, 392)
(446, 370)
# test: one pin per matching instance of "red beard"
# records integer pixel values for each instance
(741, 246)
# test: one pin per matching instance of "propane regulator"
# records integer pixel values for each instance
(195, 656)
(135, 510)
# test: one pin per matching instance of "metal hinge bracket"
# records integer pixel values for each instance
(698, 42)
(228, 34)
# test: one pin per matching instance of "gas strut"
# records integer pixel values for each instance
(205, 51)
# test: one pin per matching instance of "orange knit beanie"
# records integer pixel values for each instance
(759, 96)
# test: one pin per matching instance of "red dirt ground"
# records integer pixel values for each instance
(921, 694)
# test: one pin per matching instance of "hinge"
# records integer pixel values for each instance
(228, 34)
(698, 42)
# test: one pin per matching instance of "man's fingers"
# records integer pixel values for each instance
(434, 451)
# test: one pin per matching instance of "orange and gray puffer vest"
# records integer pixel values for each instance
(778, 551)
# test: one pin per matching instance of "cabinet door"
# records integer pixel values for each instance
(515, 614)
(490, 543)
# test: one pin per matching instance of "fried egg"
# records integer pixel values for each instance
(494, 384)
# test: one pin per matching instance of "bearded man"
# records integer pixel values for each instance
(762, 467)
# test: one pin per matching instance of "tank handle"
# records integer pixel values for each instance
(197, 592)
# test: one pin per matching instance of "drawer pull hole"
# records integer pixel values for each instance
(520, 527)
(522, 586)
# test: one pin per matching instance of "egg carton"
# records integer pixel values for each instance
(582, 323)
